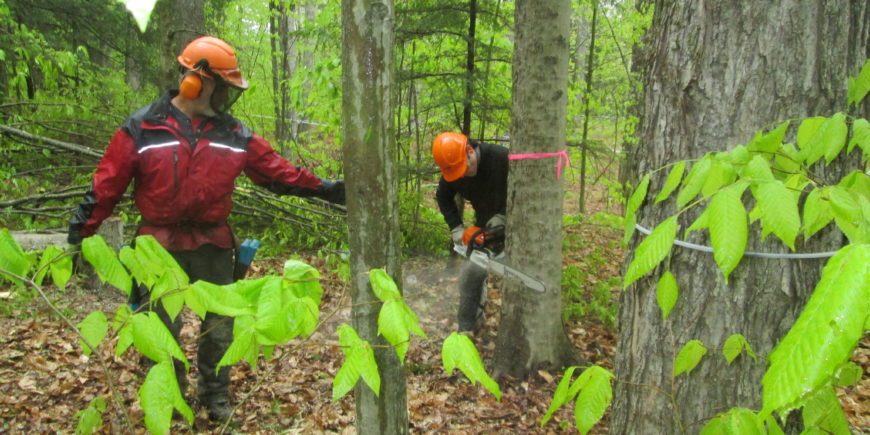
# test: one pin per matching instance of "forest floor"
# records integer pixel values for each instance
(45, 380)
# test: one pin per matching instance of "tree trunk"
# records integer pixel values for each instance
(716, 73)
(531, 335)
(175, 22)
(469, 68)
(283, 45)
(372, 197)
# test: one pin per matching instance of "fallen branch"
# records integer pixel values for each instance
(81, 149)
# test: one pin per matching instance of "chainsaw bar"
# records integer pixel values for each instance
(486, 261)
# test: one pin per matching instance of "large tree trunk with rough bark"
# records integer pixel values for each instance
(531, 335)
(175, 23)
(716, 72)
(372, 198)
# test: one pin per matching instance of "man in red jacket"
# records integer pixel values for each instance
(183, 153)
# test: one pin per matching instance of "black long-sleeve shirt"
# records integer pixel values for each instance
(486, 190)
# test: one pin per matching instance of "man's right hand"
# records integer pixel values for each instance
(456, 234)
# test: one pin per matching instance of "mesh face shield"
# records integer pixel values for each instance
(224, 95)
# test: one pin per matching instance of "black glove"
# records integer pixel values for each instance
(332, 191)
(74, 237)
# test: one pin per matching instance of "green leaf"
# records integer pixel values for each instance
(12, 257)
(849, 374)
(272, 321)
(91, 418)
(728, 227)
(859, 86)
(244, 344)
(383, 285)
(787, 160)
(758, 170)
(93, 328)
(672, 182)
(49, 255)
(628, 230)
(694, 181)
(391, 325)
(159, 395)
(823, 411)
(824, 334)
(734, 346)
(652, 250)
(779, 210)
(141, 11)
(737, 421)
(153, 340)
(689, 357)
(105, 262)
(637, 197)
(458, 351)
(359, 362)
(560, 396)
(769, 142)
(593, 399)
(860, 136)
(825, 141)
(848, 214)
(817, 212)
(667, 293)
(721, 173)
(228, 300)
(303, 280)
(700, 223)
(61, 269)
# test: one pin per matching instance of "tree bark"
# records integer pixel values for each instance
(531, 335)
(284, 60)
(716, 72)
(372, 197)
(175, 22)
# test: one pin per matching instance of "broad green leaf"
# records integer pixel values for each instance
(628, 230)
(244, 344)
(359, 362)
(12, 257)
(105, 262)
(652, 250)
(773, 426)
(769, 142)
(159, 395)
(667, 293)
(49, 255)
(739, 156)
(593, 399)
(728, 227)
(694, 181)
(807, 130)
(758, 170)
(141, 11)
(689, 357)
(721, 173)
(830, 326)
(672, 182)
(196, 299)
(272, 320)
(91, 418)
(226, 300)
(826, 141)
(734, 346)
(817, 212)
(637, 197)
(849, 374)
(787, 160)
(153, 339)
(391, 324)
(737, 421)
(860, 136)
(458, 351)
(123, 327)
(171, 291)
(700, 223)
(303, 280)
(779, 211)
(560, 396)
(304, 315)
(93, 328)
(823, 411)
(61, 269)
(383, 285)
(859, 86)
(848, 215)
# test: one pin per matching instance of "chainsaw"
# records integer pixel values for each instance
(485, 248)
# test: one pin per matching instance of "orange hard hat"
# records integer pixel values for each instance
(207, 55)
(449, 152)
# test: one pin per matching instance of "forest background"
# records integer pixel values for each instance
(72, 70)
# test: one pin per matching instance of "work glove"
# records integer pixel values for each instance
(74, 236)
(496, 221)
(332, 191)
(456, 234)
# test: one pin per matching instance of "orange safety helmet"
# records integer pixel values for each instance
(449, 152)
(209, 56)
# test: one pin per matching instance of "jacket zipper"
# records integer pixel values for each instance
(175, 166)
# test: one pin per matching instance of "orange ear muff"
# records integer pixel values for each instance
(190, 86)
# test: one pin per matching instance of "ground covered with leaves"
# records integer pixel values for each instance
(45, 380)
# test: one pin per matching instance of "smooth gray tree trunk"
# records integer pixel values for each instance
(372, 198)
(531, 335)
(716, 72)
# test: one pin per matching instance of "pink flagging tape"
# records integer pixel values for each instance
(562, 156)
